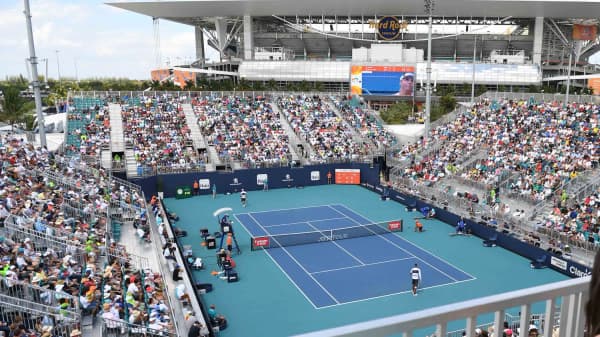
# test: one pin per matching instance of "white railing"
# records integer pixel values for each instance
(570, 296)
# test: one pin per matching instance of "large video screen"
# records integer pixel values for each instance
(382, 80)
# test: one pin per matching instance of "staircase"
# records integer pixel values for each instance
(106, 159)
(347, 126)
(117, 141)
(192, 122)
(213, 156)
(293, 137)
(116, 128)
(131, 164)
(198, 140)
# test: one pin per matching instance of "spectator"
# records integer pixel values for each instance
(198, 330)
(217, 319)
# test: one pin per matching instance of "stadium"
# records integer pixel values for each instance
(293, 209)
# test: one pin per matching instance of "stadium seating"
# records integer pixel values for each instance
(243, 129)
(160, 137)
(54, 210)
(312, 120)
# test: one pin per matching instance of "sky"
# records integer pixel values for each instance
(93, 40)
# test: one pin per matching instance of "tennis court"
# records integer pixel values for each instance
(331, 253)
(276, 297)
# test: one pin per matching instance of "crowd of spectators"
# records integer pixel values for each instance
(366, 124)
(55, 233)
(88, 126)
(159, 133)
(543, 146)
(316, 123)
(243, 129)
(578, 221)
(135, 296)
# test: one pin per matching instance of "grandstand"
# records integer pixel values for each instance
(86, 243)
(80, 213)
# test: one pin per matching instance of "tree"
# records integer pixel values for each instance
(243, 85)
(397, 113)
(303, 86)
(14, 107)
(271, 85)
(448, 103)
(189, 85)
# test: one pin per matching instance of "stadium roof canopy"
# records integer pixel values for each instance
(179, 11)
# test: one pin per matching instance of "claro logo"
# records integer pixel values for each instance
(577, 272)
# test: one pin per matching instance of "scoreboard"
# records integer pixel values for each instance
(347, 176)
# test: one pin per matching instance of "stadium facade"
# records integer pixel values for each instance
(512, 43)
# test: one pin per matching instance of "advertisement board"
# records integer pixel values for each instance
(382, 80)
(347, 176)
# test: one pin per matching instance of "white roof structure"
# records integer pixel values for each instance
(176, 10)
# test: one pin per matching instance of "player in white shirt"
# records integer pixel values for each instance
(243, 196)
(415, 275)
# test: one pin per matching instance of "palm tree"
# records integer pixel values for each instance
(271, 85)
(189, 85)
(14, 107)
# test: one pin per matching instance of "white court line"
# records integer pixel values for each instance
(392, 294)
(340, 247)
(365, 265)
(409, 253)
(438, 257)
(280, 267)
(299, 222)
(289, 209)
(306, 271)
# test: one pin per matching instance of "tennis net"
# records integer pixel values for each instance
(302, 238)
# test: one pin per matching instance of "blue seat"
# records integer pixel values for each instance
(539, 263)
(491, 241)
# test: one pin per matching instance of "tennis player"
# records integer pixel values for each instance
(243, 197)
(415, 275)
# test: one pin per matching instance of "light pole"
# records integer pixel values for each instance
(35, 81)
(58, 65)
(76, 74)
(569, 73)
(473, 75)
(429, 4)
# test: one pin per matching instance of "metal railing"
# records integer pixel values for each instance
(569, 296)
(31, 313)
(111, 327)
(42, 299)
(163, 267)
(541, 97)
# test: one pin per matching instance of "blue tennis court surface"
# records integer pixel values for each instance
(334, 272)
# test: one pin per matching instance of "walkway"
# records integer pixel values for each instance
(293, 137)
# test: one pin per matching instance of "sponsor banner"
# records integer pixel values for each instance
(261, 241)
(558, 263)
(347, 176)
(315, 175)
(261, 178)
(235, 182)
(288, 178)
(389, 27)
(204, 184)
(395, 225)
